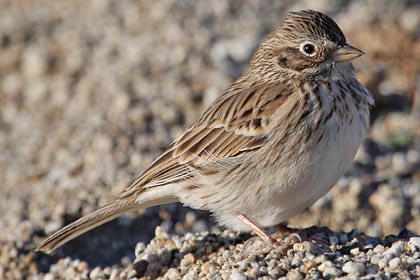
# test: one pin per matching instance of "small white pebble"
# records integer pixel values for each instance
(274, 272)
(140, 247)
(297, 261)
(107, 270)
(396, 248)
(388, 256)
(114, 274)
(309, 256)
(394, 263)
(411, 260)
(369, 246)
(236, 275)
(379, 249)
(123, 275)
(177, 241)
(226, 254)
(414, 244)
(75, 263)
(383, 262)
(188, 260)
(67, 261)
(331, 272)
(322, 267)
(160, 233)
(294, 274)
(49, 276)
(354, 268)
(188, 236)
(375, 259)
(355, 251)
(172, 273)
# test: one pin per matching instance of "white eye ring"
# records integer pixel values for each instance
(308, 48)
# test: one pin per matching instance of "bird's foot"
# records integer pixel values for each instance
(257, 246)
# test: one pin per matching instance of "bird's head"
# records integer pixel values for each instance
(307, 44)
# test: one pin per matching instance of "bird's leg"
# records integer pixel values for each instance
(270, 241)
(256, 229)
(249, 244)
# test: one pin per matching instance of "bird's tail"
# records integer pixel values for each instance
(105, 214)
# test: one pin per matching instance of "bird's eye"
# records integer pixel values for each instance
(308, 49)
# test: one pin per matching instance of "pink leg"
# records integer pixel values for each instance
(291, 239)
(256, 229)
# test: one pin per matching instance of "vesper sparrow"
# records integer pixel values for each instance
(271, 145)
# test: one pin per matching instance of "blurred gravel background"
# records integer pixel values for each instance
(92, 91)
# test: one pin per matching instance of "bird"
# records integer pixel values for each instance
(269, 146)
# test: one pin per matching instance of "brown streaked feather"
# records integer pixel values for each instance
(232, 143)
(237, 122)
(198, 142)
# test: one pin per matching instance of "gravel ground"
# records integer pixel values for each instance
(92, 91)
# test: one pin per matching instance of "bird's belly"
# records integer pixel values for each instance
(284, 186)
(296, 186)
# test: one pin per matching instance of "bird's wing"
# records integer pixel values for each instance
(237, 122)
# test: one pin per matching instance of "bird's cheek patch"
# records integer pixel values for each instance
(292, 59)
(282, 61)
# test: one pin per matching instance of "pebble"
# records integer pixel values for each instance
(379, 249)
(114, 274)
(188, 260)
(414, 244)
(236, 275)
(172, 273)
(305, 258)
(395, 249)
(353, 268)
(331, 272)
(94, 274)
(140, 247)
(294, 275)
(383, 262)
(151, 257)
(394, 263)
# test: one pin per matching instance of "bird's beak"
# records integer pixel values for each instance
(346, 53)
